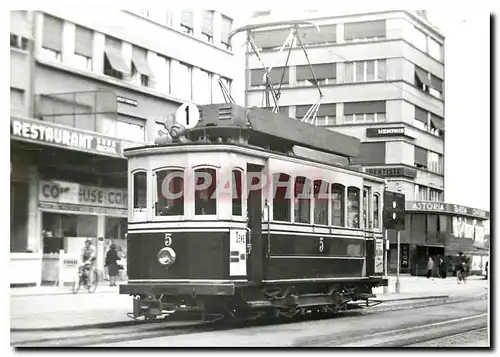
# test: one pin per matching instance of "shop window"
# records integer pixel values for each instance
(236, 188)
(205, 192)
(337, 205)
(376, 210)
(320, 202)
(353, 207)
(418, 228)
(69, 225)
(86, 226)
(281, 200)
(432, 226)
(302, 200)
(139, 191)
(169, 193)
(18, 217)
(115, 227)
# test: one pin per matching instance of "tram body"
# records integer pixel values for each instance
(231, 227)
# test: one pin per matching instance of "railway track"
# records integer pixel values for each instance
(164, 328)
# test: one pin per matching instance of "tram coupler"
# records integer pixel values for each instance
(148, 307)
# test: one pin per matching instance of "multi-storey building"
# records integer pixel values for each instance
(382, 78)
(84, 86)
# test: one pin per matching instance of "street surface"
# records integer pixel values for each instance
(60, 314)
(333, 332)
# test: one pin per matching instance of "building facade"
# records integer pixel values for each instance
(84, 87)
(382, 79)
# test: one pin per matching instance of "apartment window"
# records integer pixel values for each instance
(205, 192)
(362, 31)
(421, 158)
(353, 208)
(419, 40)
(437, 125)
(310, 35)
(18, 42)
(302, 200)
(227, 25)
(182, 87)
(435, 49)
(421, 193)
(376, 212)
(207, 27)
(187, 21)
(84, 39)
(202, 87)
(129, 128)
(435, 162)
(141, 72)
(169, 193)
(161, 66)
(364, 112)
(435, 195)
(325, 73)
(421, 118)
(436, 87)
(365, 71)
(270, 39)
(16, 98)
(114, 63)
(325, 116)
(52, 38)
(422, 79)
(277, 75)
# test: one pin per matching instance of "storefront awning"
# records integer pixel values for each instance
(142, 67)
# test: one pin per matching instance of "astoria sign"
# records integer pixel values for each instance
(449, 208)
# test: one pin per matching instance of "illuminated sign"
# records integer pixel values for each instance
(449, 208)
(393, 131)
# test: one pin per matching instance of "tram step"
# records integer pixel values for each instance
(259, 303)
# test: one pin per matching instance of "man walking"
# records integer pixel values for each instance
(430, 268)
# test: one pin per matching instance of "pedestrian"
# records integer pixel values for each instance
(443, 268)
(430, 268)
(111, 263)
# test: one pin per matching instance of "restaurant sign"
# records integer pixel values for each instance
(75, 194)
(392, 131)
(65, 137)
(449, 208)
(400, 171)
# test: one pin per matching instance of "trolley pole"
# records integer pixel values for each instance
(398, 264)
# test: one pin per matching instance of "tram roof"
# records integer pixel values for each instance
(274, 126)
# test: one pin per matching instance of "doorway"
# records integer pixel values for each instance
(254, 213)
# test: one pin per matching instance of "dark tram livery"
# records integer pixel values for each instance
(249, 213)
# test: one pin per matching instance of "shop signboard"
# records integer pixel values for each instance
(405, 256)
(63, 136)
(390, 131)
(449, 208)
(399, 171)
(70, 193)
(379, 256)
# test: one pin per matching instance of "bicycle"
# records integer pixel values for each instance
(82, 279)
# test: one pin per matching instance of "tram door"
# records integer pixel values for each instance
(254, 212)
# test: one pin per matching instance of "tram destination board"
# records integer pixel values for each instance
(394, 211)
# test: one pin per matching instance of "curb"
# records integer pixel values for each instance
(62, 293)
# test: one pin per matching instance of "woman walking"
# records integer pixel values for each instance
(112, 258)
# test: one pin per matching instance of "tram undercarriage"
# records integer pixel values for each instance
(246, 303)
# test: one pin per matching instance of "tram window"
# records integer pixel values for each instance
(236, 193)
(281, 200)
(302, 199)
(365, 209)
(376, 212)
(353, 207)
(320, 202)
(337, 205)
(140, 197)
(169, 193)
(205, 201)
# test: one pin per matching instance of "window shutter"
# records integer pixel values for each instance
(270, 39)
(367, 29)
(227, 23)
(187, 18)
(436, 83)
(421, 115)
(84, 39)
(52, 33)
(139, 57)
(420, 156)
(322, 71)
(326, 34)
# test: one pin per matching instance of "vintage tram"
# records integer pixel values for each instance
(249, 213)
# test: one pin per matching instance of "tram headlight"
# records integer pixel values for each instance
(166, 256)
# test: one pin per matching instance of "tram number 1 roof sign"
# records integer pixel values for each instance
(394, 211)
(187, 115)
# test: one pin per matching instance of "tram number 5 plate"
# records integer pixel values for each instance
(168, 239)
(321, 244)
